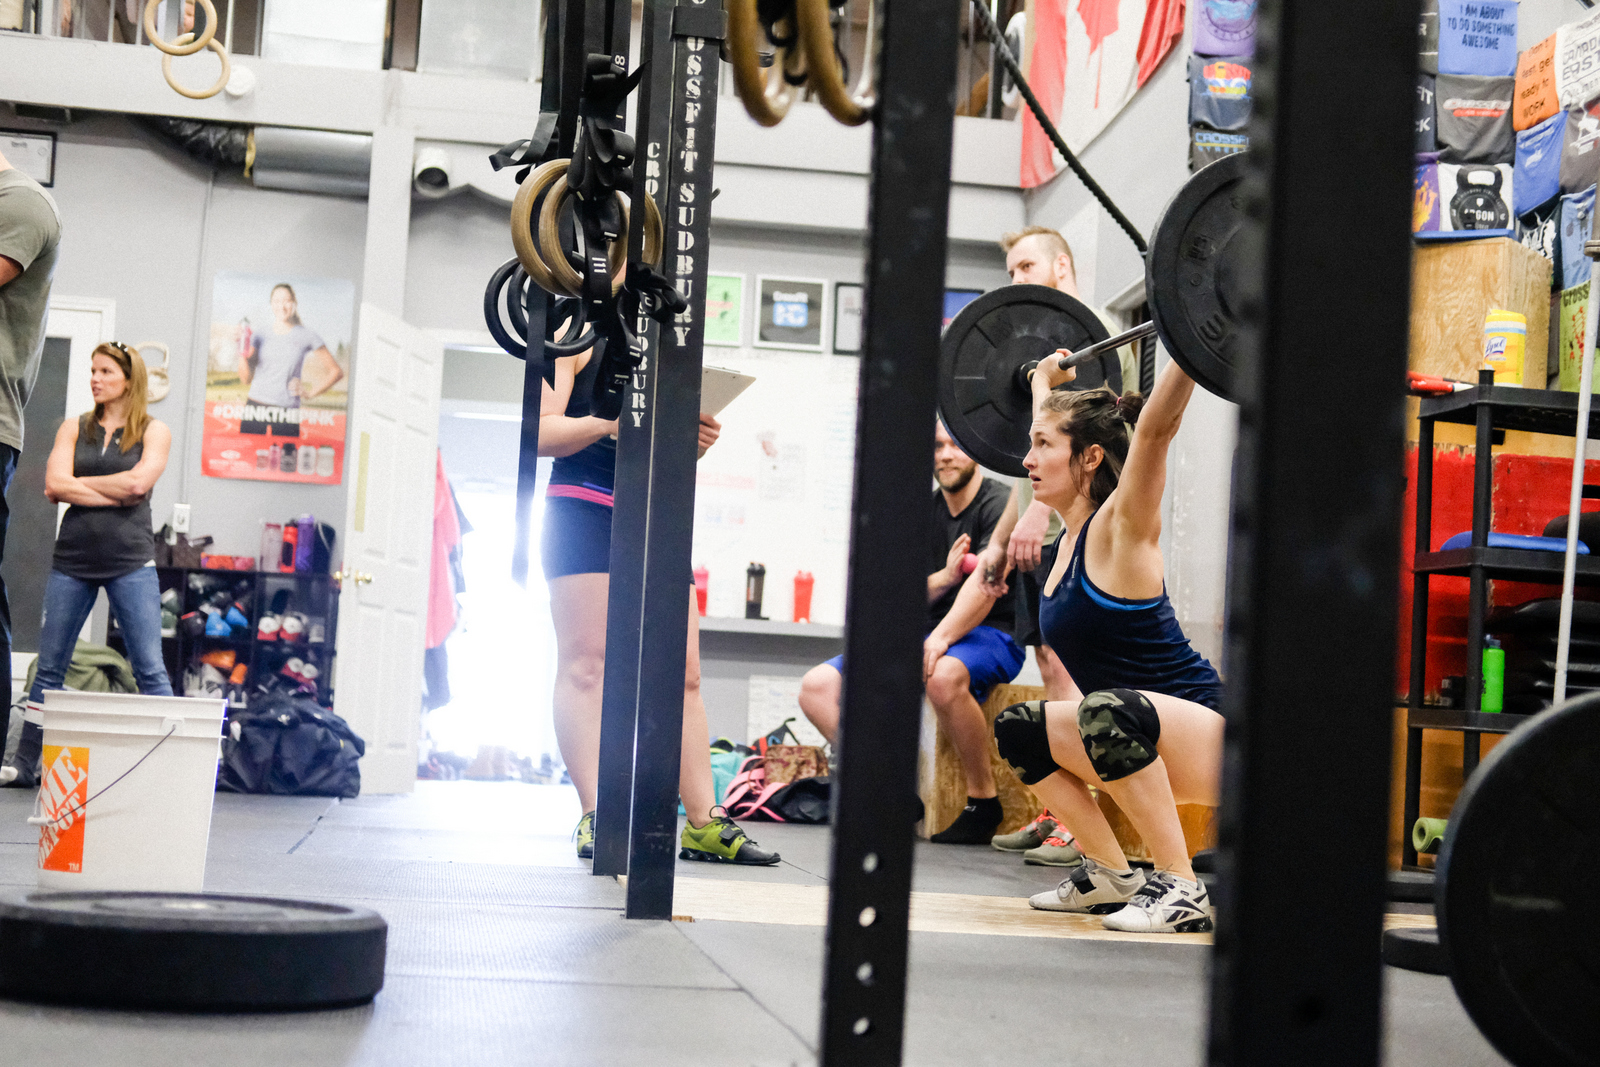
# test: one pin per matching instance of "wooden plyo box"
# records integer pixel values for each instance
(1453, 286)
(946, 789)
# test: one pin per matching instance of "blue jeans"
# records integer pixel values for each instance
(135, 600)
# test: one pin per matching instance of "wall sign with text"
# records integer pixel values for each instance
(791, 312)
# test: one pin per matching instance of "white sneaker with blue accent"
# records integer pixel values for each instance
(1166, 904)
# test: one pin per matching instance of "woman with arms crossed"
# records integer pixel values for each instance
(577, 562)
(1147, 732)
(104, 464)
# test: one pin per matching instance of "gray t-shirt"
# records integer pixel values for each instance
(1474, 118)
(280, 358)
(30, 234)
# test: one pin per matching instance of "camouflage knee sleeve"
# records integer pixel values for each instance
(1120, 728)
(1023, 741)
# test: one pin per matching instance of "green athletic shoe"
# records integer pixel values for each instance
(721, 841)
(1058, 850)
(584, 836)
(1030, 836)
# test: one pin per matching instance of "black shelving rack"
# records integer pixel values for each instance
(315, 595)
(1490, 410)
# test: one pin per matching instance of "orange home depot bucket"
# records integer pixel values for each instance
(125, 799)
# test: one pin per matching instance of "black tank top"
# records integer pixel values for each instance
(594, 467)
(99, 544)
(1111, 642)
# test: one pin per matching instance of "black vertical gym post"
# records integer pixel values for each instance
(1477, 579)
(1418, 681)
(697, 28)
(624, 610)
(1312, 610)
(886, 605)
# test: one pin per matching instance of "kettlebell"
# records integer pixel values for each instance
(1478, 205)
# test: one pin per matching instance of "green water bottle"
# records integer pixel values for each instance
(1494, 676)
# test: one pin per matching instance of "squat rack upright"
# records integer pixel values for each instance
(1312, 599)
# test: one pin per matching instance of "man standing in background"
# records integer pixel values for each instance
(30, 233)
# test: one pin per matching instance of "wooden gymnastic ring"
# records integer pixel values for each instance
(523, 239)
(765, 92)
(227, 71)
(822, 64)
(552, 252)
(179, 47)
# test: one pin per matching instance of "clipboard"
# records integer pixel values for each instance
(719, 387)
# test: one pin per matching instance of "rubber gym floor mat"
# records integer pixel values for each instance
(374, 878)
(427, 1022)
(463, 844)
(435, 940)
(514, 809)
(19, 863)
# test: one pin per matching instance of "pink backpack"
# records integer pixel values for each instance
(749, 792)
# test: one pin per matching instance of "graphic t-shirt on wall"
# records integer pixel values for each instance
(1579, 160)
(1450, 198)
(1428, 37)
(1478, 37)
(277, 378)
(1208, 146)
(1225, 27)
(1538, 164)
(1219, 92)
(1427, 102)
(1577, 210)
(1535, 85)
(1578, 61)
(1474, 119)
(1540, 228)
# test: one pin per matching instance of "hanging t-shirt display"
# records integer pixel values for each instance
(1474, 118)
(1540, 229)
(1450, 199)
(1579, 160)
(1426, 103)
(1219, 92)
(1538, 164)
(1535, 85)
(1225, 28)
(1576, 210)
(1573, 314)
(1428, 38)
(1208, 146)
(1477, 37)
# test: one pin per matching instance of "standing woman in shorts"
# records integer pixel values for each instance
(104, 464)
(576, 553)
(1147, 732)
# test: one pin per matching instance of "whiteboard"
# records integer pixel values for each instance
(775, 488)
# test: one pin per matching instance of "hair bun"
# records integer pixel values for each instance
(1128, 406)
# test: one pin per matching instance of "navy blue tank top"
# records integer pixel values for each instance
(592, 470)
(1111, 642)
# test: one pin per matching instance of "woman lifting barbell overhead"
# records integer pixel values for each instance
(1148, 732)
(576, 553)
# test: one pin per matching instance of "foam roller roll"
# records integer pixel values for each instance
(1426, 834)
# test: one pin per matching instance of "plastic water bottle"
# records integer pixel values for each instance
(1494, 676)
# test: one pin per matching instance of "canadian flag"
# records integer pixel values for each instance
(1089, 58)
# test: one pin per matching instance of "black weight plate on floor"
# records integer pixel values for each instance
(1416, 948)
(1192, 273)
(1411, 887)
(1516, 913)
(195, 952)
(982, 403)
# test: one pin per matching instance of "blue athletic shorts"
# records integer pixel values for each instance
(576, 538)
(992, 657)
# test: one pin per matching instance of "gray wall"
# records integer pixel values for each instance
(148, 228)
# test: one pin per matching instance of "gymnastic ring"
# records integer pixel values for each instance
(766, 98)
(551, 251)
(523, 238)
(822, 64)
(180, 47)
(567, 309)
(227, 72)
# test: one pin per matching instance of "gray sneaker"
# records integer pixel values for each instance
(1029, 837)
(1090, 889)
(1058, 850)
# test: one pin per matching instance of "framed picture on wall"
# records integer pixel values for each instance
(790, 313)
(725, 310)
(956, 299)
(32, 152)
(847, 318)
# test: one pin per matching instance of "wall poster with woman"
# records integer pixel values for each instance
(277, 378)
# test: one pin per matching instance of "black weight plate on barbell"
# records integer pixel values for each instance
(193, 952)
(983, 405)
(1192, 274)
(1515, 900)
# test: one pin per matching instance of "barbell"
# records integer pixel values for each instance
(1191, 278)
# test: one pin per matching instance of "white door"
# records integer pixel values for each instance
(388, 540)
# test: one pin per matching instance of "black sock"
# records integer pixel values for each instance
(975, 825)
